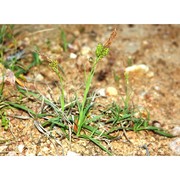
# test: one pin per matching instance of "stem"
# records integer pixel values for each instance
(62, 92)
(88, 84)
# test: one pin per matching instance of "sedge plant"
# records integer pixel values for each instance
(55, 67)
(101, 52)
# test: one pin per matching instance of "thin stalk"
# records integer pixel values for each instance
(62, 101)
(88, 84)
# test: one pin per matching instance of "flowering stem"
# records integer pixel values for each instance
(101, 52)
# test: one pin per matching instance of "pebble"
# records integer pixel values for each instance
(111, 91)
(140, 68)
(45, 149)
(39, 77)
(157, 88)
(176, 131)
(145, 42)
(101, 92)
(150, 74)
(156, 124)
(73, 56)
(20, 148)
(175, 146)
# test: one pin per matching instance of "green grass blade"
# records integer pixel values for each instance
(97, 143)
(26, 109)
(97, 132)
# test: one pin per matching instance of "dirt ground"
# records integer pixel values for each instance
(158, 91)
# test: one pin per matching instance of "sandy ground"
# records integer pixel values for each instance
(158, 90)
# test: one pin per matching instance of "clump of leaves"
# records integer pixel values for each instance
(101, 52)
(123, 118)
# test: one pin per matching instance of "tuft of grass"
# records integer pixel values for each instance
(64, 40)
(54, 65)
(121, 118)
(84, 108)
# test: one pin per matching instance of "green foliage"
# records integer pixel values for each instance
(100, 52)
(123, 119)
(1, 87)
(15, 65)
(64, 40)
(13, 62)
(4, 121)
(6, 33)
(55, 67)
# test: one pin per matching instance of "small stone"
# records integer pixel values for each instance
(150, 74)
(45, 149)
(157, 88)
(73, 56)
(20, 148)
(39, 77)
(101, 92)
(175, 146)
(111, 91)
(176, 131)
(138, 69)
(26, 41)
(145, 42)
(156, 124)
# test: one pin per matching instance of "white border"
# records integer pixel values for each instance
(110, 168)
(89, 11)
